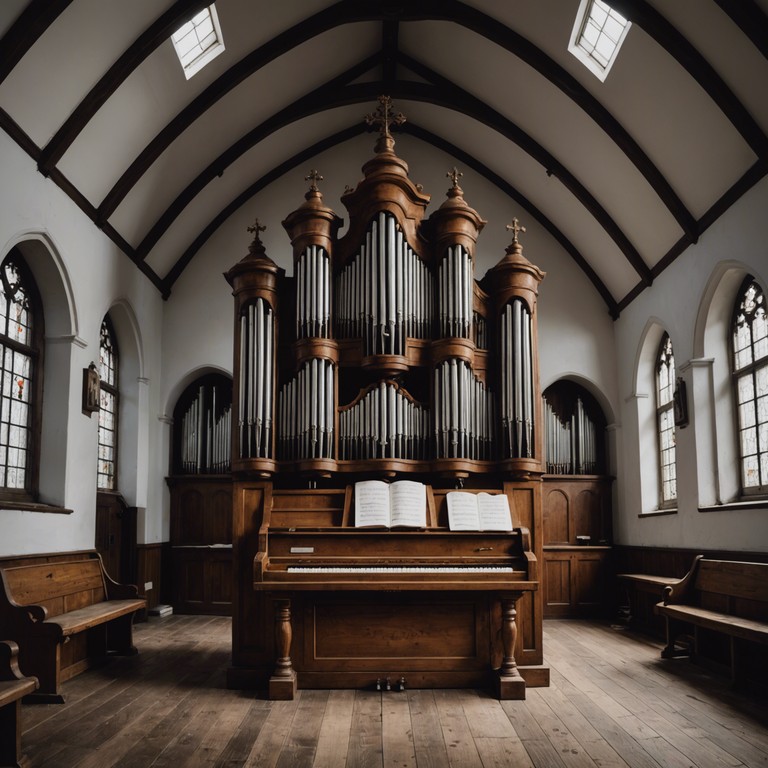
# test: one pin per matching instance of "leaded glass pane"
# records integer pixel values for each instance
(750, 359)
(665, 389)
(108, 405)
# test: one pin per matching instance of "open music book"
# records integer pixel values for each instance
(391, 505)
(478, 511)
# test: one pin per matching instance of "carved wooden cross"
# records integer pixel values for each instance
(515, 227)
(382, 117)
(454, 176)
(314, 177)
(255, 228)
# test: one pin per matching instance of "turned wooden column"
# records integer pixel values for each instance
(510, 683)
(282, 684)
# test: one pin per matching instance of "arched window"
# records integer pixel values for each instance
(750, 378)
(665, 421)
(202, 432)
(108, 408)
(21, 334)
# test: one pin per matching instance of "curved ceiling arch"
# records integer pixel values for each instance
(331, 95)
(645, 191)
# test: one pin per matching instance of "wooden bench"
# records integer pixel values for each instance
(65, 616)
(643, 591)
(722, 596)
(13, 687)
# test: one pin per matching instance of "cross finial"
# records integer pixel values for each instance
(454, 175)
(383, 117)
(255, 228)
(314, 177)
(516, 227)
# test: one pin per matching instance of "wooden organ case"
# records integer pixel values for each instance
(384, 358)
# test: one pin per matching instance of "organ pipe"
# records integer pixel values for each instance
(571, 441)
(385, 422)
(464, 413)
(205, 433)
(256, 367)
(517, 412)
(384, 292)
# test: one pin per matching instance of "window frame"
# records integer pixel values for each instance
(29, 494)
(114, 391)
(750, 369)
(662, 411)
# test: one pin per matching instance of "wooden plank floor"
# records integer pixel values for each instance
(613, 702)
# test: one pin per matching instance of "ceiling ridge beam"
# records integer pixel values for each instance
(348, 11)
(155, 35)
(26, 30)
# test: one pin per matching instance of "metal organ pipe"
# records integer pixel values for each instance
(464, 413)
(256, 380)
(384, 293)
(384, 423)
(205, 433)
(517, 408)
(455, 298)
(313, 297)
(306, 411)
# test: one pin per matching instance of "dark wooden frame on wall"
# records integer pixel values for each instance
(91, 389)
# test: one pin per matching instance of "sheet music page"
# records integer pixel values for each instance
(493, 511)
(462, 511)
(408, 504)
(371, 503)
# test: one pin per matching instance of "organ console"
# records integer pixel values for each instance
(384, 357)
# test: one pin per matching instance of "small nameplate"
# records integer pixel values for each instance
(302, 550)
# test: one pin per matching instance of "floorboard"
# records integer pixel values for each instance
(613, 703)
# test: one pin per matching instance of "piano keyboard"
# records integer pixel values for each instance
(403, 569)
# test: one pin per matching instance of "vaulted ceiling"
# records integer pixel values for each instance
(625, 174)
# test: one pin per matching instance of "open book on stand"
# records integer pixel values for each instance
(478, 511)
(390, 505)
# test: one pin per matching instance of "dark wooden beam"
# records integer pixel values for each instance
(750, 19)
(155, 35)
(669, 37)
(348, 11)
(504, 186)
(389, 51)
(262, 183)
(25, 31)
(453, 97)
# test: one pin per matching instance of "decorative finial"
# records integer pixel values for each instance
(454, 175)
(382, 117)
(515, 227)
(256, 247)
(314, 177)
(255, 228)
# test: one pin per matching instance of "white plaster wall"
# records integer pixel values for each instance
(674, 300)
(98, 276)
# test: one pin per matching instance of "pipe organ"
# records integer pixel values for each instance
(383, 356)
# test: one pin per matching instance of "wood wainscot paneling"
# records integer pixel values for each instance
(201, 544)
(577, 556)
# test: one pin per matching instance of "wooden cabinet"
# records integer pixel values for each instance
(578, 566)
(201, 544)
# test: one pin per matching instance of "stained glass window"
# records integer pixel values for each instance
(750, 367)
(665, 421)
(19, 358)
(108, 405)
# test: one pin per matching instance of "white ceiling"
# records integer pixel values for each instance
(645, 161)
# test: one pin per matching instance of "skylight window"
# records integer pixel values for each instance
(597, 36)
(198, 41)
